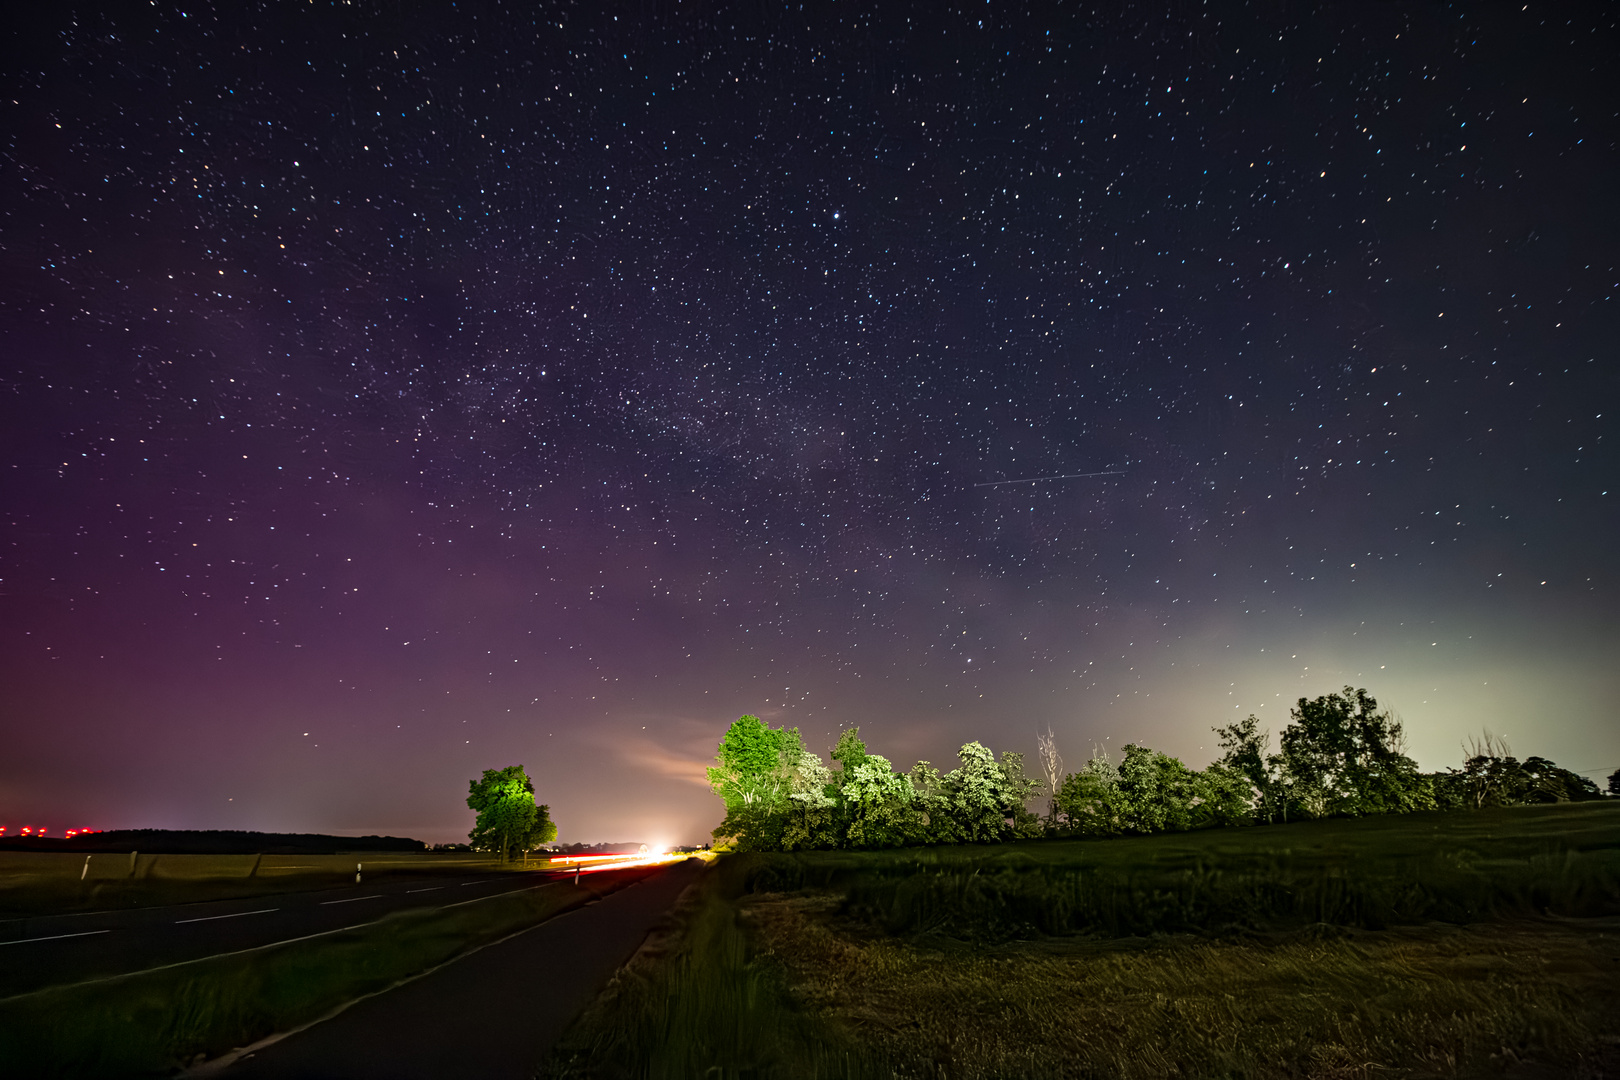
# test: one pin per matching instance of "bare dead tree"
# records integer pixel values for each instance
(1486, 745)
(1485, 760)
(1052, 765)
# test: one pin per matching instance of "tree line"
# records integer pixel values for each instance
(1340, 755)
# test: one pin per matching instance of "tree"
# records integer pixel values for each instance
(1491, 775)
(1245, 747)
(1016, 791)
(1225, 796)
(1549, 783)
(879, 804)
(749, 764)
(1052, 766)
(849, 751)
(508, 817)
(810, 813)
(1156, 791)
(1341, 755)
(1088, 799)
(931, 803)
(1614, 782)
(975, 795)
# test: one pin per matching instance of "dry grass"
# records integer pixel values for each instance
(1529, 998)
(1424, 946)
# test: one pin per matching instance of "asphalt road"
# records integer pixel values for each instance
(490, 1015)
(56, 949)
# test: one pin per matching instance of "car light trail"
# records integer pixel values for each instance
(590, 864)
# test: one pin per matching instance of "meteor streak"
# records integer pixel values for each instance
(1062, 476)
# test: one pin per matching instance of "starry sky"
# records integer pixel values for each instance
(392, 391)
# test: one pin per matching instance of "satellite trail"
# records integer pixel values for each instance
(1063, 476)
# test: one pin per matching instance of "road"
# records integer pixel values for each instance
(56, 949)
(490, 1015)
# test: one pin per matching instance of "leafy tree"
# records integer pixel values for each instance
(508, 818)
(975, 792)
(849, 751)
(879, 803)
(1245, 747)
(1549, 783)
(1088, 799)
(749, 764)
(1156, 791)
(1224, 796)
(1492, 776)
(1341, 755)
(811, 811)
(1016, 791)
(1614, 782)
(931, 803)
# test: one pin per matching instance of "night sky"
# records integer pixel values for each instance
(392, 391)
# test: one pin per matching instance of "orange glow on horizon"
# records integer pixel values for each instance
(590, 864)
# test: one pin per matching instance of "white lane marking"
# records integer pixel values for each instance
(352, 899)
(55, 937)
(232, 915)
(495, 896)
(435, 888)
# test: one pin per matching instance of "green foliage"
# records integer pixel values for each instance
(974, 791)
(879, 804)
(931, 803)
(1342, 756)
(1373, 872)
(850, 750)
(810, 817)
(749, 768)
(776, 791)
(1491, 776)
(1017, 789)
(1156, 792)
(1088, 801)
(781, 797)
(1246, 750)
(508, 820)
(1225, 796)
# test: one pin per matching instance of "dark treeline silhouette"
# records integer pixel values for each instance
(1339, 756)
(211, 842)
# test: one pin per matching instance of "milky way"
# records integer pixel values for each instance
(393, 392)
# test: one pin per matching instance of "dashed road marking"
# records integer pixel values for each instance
(232, 915)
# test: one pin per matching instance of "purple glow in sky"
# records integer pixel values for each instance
(391, 394)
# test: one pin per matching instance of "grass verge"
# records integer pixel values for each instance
(1435, 945)
(697, 1001)
(150, 1022)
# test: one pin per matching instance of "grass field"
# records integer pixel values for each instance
(151, 1022)
(1429, 945)
(33, 883)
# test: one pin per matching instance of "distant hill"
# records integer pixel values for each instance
(209, 842)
